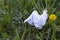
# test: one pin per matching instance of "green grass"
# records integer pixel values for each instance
(14, 12)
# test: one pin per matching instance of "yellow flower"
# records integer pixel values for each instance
(52, 17)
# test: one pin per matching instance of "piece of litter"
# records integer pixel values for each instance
(37, 20)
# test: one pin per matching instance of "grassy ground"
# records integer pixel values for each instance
(14, 12)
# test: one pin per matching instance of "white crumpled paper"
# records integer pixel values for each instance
(37, 20)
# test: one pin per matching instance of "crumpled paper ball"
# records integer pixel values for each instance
(37, 20)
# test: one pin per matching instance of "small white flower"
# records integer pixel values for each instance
(37, 20)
